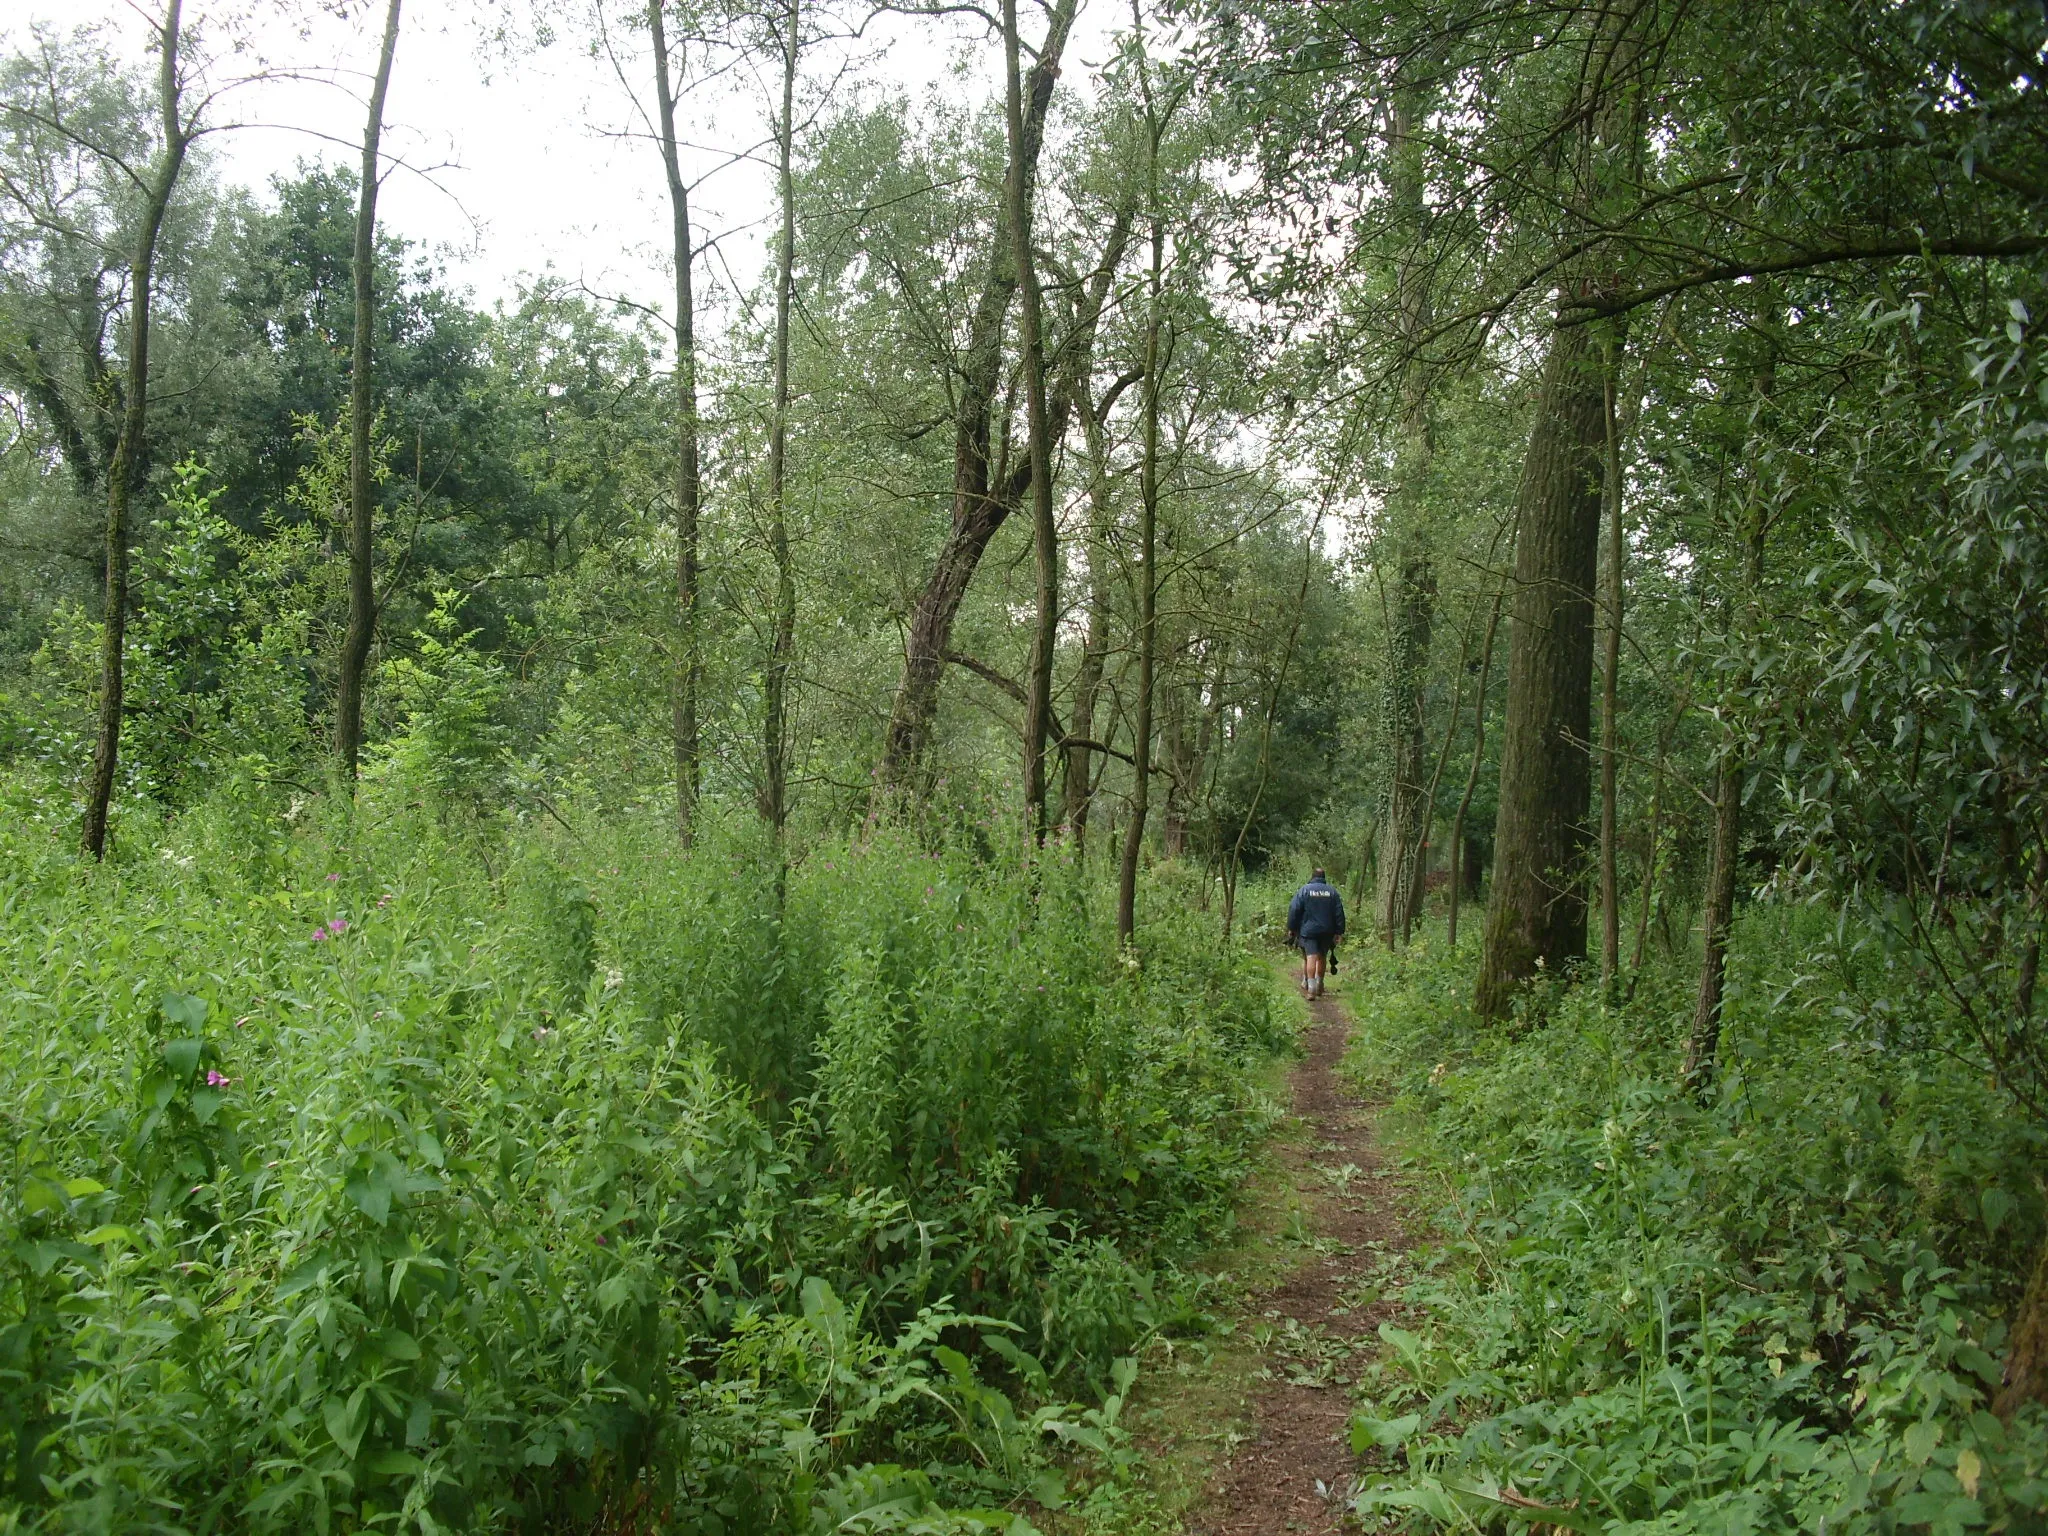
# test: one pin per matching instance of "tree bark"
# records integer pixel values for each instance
(1148, 585)
(1703, 1044)
(2025, 1379)
(1406, 811)
(1080, 785)
(1038, 444)
(688, 672)
(1610, 723)
(123, 467)
(979, 509)
(1536, 918)
(1463, 865)
(782, 646)
(362, 485)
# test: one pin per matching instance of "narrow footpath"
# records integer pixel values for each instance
(1294, 1469)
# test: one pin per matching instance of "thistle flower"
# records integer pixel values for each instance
(337, 925)
(319, 935)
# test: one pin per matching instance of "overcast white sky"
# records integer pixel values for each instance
(519, 164)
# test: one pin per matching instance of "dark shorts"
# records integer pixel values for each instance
(1318, 943)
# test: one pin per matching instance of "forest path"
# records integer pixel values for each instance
(1293, 1470)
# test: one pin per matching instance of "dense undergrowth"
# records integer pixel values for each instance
(376, 1171)
(1777, 1309)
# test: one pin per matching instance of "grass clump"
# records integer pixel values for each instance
(1777, 1307)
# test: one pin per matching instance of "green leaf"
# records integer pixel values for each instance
(182, 1056)
(78, 1189)
(1049, 1488)
(99, 1237)
(399, 1345)
(183, 1009)
(1367, 1432)
(206, 1103)
(1920, 1441)
(345, 1420)
(1996, 1204)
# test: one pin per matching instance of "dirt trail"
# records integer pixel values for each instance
(1293, 1471)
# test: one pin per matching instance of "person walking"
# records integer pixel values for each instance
(1315, 922)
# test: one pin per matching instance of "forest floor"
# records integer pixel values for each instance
(1251, 1438)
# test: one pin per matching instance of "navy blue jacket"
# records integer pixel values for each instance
(1317, 912)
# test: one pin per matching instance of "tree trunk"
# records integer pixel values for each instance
(1718, 909)
(1148, 584)
(2025, 1379)
(1465, 865)
(1405, 810)
(688, 672)
(978, 509)
(123, 467)
(1095, 643)
(1536, 918)
(362, 488)
(1610, 723)
(1703, 1044)
(782, 646)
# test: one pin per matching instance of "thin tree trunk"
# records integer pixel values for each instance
(1648, 898)
(775, 725)
(1458, 851)
(1406, 810)
(688, 674)
(1038, 448)
(1705, 1040)
(1718, 910)
(1148, 556)
(124, 465)
(979, 509)
(362, 488)
(1095, 643)
(1610, 883)
(1406, 817)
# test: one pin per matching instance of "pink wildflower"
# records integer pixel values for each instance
(337, 925)
(319, 935)
(216, 1080)
(331, 879)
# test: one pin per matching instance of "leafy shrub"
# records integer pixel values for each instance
(1780, 1307)
(360, 1179)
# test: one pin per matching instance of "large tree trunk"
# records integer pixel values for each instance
(124, 466)
(688, 670)
(362, 485)
(1536, 918)
(782, 644)
(978, 508)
